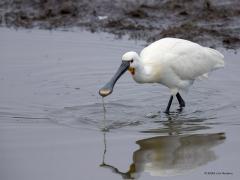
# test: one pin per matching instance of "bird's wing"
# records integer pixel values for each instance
(188, 60)
(196, 62)
(157, 50)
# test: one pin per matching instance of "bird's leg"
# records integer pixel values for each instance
(169, 104)
(180, 100)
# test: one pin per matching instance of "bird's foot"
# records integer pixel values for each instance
(167, 112)
(180, 109)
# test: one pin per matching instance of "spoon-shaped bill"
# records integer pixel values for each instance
(108, 88)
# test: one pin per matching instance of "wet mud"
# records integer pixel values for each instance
(214, 23)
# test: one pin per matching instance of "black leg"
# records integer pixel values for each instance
(169, 105)
(180, 100)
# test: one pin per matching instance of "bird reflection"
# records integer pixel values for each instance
(173, 154)
(169, 155)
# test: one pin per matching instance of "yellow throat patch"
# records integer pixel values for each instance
(131, 70)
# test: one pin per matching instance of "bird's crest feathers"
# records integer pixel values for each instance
(128, 56)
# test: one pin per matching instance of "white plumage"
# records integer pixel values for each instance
(173, 62)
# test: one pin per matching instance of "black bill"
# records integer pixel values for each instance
(108, 88)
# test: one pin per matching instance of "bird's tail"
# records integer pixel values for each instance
(217, 56)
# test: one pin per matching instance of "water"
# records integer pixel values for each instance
(53, 126)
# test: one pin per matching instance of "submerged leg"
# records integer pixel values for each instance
(180, 100)
(169, 104)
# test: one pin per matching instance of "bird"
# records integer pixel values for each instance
(172, 62)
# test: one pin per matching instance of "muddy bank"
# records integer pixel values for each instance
(213, 23)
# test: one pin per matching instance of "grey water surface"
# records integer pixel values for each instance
(52, 118)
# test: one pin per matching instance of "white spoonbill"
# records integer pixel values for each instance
(172, 62)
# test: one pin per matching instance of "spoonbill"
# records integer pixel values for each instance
(172, 62)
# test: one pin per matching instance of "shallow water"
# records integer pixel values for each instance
(51, 116)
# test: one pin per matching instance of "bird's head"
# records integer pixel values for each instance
(129, 61)
(131, 57)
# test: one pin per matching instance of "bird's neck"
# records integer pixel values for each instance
(141, 75)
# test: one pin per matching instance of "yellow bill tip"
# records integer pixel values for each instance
(104, 92)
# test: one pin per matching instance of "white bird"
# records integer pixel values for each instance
(172, 62)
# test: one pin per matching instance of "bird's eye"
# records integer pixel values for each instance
(131, 61)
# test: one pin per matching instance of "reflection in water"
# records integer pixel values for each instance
(130, 174)
(178, 123)
(170, 155)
